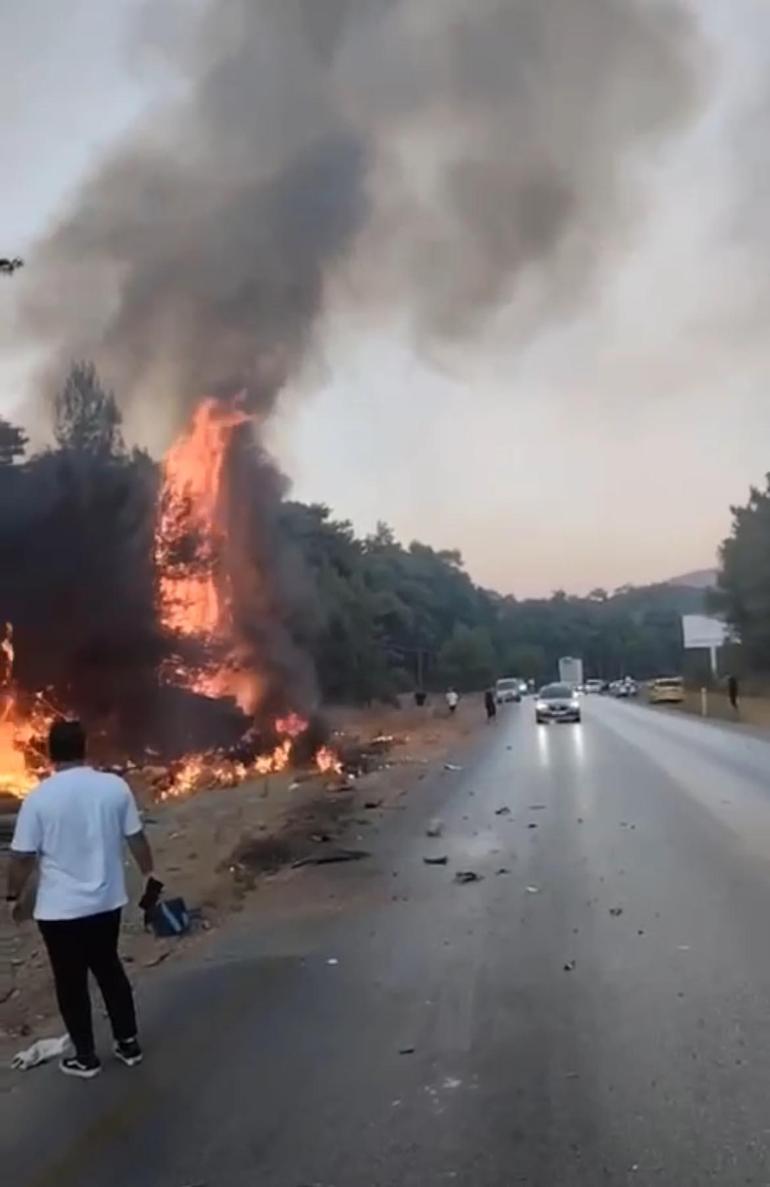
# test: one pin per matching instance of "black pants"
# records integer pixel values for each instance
(76, 946)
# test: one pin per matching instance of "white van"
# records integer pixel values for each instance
(508, 689)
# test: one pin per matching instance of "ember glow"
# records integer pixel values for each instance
(23, 733)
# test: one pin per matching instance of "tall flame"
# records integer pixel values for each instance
(192, 581)
(194, 588)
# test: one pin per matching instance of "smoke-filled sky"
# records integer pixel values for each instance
(493, 270)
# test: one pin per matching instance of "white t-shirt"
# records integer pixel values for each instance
(76, 822)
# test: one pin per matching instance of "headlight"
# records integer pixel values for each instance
(541, 706)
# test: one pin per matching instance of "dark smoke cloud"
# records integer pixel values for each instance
(451, 154)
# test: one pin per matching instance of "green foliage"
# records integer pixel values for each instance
(379, 618)
(743, 593)
(467, 659)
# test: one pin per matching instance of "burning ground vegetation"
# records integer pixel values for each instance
(265, 835)
(219, 707)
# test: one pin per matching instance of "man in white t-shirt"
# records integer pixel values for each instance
(73, 828)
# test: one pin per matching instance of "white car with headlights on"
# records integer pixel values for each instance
(557, 702)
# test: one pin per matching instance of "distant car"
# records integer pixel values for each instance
(508, 689)
(557, 702)
(666, 690)
(594, 686)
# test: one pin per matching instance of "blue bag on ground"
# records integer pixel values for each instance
(169, 917)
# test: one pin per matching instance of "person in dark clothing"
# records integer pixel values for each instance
(490, 704)
(733, 691)
(73, 827)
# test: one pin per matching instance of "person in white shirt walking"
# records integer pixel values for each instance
(452, 700)
(73, 827)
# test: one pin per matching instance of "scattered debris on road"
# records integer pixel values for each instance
(40, 1052)
(435, 828)
(533, 890)
(436, 861)
(616, 911)
(332, 960)
(531, 824)
(407, 1050)
(464, 876)
(537, 807)
(504, 811)
(450, 766)
(502, 870)
(370, 805)
(569, 966)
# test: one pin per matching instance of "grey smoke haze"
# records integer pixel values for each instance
(446, 155)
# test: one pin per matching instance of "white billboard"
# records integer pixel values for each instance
(702, 632)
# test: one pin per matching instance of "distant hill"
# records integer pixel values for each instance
(698, 579)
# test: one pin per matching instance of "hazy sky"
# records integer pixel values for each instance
(602, 449)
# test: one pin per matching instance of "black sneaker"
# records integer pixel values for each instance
(85, 1067)
(129, 1052)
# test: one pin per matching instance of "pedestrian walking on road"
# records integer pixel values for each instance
(490, 704)
(733, 691)
(452, 700)
(72, 827)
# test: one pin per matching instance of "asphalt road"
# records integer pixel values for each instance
(599, 1013)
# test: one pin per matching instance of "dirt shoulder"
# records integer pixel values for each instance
(216, 847)
(753, 711)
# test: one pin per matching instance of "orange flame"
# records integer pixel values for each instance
(193, 594)
(22, 735)
(328, 761)
(194, 591)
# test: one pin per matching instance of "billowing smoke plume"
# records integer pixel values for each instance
(452, 153)
(443, 157)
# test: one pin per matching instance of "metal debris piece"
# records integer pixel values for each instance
(531, 824)
(504, 811)
(434, 829)
(616, 911)
(569, 966)
(502, 870)
(370, 805)
(157, 959)
(436, 861)
(537, 807)
(464, 876)
(407, 1050)
(332, 857)
(533, 890)
(450, 766)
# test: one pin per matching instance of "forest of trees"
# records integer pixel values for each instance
(376, 616)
